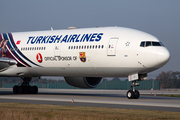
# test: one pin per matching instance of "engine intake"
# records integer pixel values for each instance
(84, 82)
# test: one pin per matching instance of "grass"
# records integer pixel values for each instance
(21, 111)
(171, 95)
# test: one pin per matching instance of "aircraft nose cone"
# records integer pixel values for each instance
(163, 56)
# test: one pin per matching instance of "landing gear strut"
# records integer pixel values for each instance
(24, 87)
(133, 94)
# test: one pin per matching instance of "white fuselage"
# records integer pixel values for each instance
(105, 52)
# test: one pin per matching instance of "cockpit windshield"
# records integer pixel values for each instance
(150, 43)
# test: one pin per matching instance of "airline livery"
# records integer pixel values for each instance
(82, 56)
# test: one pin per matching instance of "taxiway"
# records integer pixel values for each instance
(149, 100)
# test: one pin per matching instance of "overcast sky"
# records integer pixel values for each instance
(160, 18)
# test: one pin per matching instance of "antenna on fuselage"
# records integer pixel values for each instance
(51, 29)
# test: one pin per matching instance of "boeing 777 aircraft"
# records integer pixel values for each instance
(82, 56)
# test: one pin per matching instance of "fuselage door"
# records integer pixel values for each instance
(111, 49)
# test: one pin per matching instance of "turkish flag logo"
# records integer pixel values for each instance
(18, 42)
(39, 57)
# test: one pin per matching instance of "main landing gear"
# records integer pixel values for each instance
(24, 87)
(133, 94)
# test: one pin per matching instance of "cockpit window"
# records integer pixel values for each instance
(161, 44)
(150, 43)
(142, 44)
(156, 44)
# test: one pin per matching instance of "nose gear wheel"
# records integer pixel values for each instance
(133, 94)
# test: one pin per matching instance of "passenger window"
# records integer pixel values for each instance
(79, 47)
(148, 44)
(99, 46)
(76, 47)
(71, 47)
(102, 46)
(84, 47)
(142, 44)
(96, 46)
(93, 46)
(88, 47)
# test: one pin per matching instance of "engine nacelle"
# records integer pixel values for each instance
(84, 82)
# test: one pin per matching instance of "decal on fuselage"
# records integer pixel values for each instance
(3, 43)
(39, 57)
(61, 58)
(82, 56)
(9, 49)
(94, 37)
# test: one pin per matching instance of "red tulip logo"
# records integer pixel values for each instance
(39, 57)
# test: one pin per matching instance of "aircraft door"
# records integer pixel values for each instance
(57, 49)
(111, 49)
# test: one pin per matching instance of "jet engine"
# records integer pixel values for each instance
(84, 82)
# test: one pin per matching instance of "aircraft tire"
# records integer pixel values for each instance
(20, 89)
(29, 89)
(15, 89)
(34, 89)
(136, 94)
(130, 94)
(25, 89)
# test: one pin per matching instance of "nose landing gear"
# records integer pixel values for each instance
(133, 94)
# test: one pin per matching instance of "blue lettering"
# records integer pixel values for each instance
(48, 39)
(52, 39)
(30, 39)
(57, 38)
(82, 37)
(39, 39)
(77, 38)
(93, 36)
(87, 37)
(44, 39)
(32, 42)
(99, 36)
(64, 39)
(69, 38)
(73, 37)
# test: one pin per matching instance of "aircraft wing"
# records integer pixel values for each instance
(6, 62)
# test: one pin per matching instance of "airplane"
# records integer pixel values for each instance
(83, 56)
